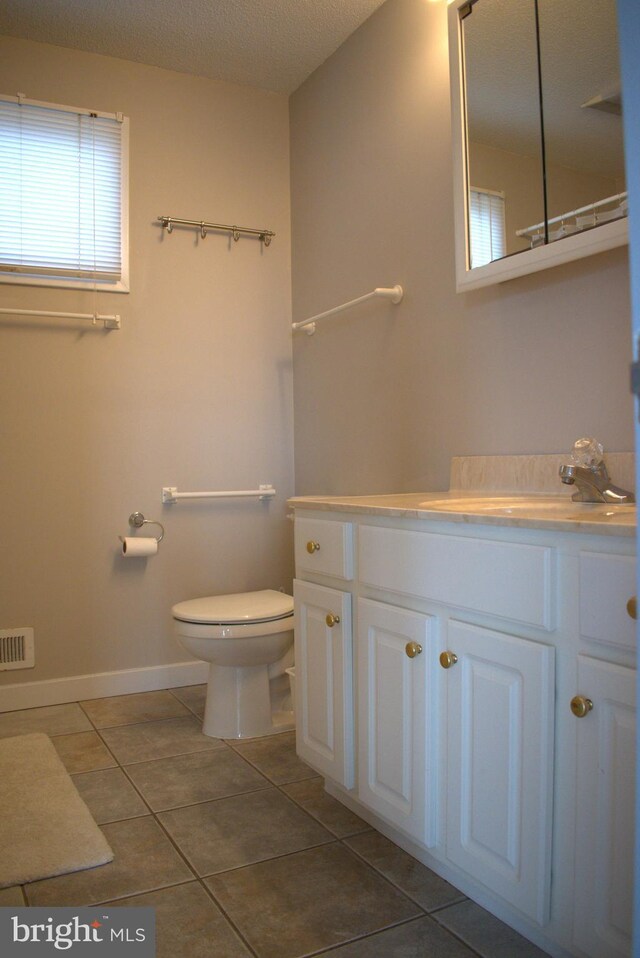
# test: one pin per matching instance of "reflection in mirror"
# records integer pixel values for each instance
(505, 187)
(582, 117)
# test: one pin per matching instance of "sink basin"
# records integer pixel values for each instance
(539, 507)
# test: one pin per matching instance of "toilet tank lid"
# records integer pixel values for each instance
(264, 606)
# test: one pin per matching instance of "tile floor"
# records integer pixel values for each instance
(238, 847)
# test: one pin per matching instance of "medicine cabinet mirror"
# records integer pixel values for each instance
(537, 135)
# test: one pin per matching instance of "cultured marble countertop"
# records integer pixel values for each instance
(564, 516)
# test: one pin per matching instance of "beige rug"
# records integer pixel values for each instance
(45, 827)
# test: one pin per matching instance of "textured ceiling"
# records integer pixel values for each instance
(271, 44)
(579, 54)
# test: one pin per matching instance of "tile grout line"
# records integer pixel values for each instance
(170, 839)
(191, 868)
(279, 786)
(372, 934)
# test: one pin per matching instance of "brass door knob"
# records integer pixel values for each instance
(412, 649)
(632, 607)
(332, 620)
(447, 659)
(312, 547)
(581, 706)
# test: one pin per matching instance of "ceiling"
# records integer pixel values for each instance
(271, 44)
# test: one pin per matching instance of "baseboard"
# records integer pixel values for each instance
(28, 695)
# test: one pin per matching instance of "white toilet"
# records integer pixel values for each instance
(248, 639)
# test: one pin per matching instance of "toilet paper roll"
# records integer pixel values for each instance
(133, 546)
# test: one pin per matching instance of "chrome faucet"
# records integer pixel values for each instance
(589, 474)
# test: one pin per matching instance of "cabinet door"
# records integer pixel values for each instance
(605, 810)
(324, 680)
(500, 711)
(397, 712)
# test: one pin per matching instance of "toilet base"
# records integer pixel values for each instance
(244, 703)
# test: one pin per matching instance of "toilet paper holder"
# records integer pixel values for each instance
(138, 520)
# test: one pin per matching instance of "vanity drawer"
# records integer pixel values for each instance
(324, 546)
(607, 582)
(504, 579)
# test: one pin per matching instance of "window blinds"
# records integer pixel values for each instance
(60, 192)
(486, 227)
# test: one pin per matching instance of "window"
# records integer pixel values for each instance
(63, 196)
(486, 226)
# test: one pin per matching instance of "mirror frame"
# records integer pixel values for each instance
(605, 237)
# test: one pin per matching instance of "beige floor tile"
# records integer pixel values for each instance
(50, 719)
(487, 935)
(151, 740)
(311, 796)
(83, 752)
(309, 901)
(130, 709)
(197, 777)
(414, 879)
(11, 896)
(189, 924)
(109, 795)
(420, 938)
(275, 756)
(235, 831)
(193, 696)
(144, 860)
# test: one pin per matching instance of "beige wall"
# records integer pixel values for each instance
(385, 395)
(194, 391)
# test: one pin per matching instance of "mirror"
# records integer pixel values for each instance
(538, 152)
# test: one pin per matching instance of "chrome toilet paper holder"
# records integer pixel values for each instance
(138, 520)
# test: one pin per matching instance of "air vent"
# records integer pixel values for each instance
(16, 649)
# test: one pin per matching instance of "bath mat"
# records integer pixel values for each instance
(45, 827)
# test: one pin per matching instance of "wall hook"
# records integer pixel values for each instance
(236, 234)
(203, 232)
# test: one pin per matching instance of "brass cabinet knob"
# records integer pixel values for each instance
(581, 706)
(447, 659)
(332, 619)
(412, 649)
(632, 607)
(312, 547)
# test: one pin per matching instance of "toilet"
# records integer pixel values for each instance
(247, 638)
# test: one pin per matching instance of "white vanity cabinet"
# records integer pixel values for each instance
(605, 809)
(453, 727)
(398, 717)
(499, 733)
(604, 715)
(324, 686)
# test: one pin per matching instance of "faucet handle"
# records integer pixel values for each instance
(588, 453)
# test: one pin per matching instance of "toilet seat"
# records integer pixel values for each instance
(247, 639)
(237, 609)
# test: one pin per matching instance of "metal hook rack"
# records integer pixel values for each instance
(168, 223)
(137, 520)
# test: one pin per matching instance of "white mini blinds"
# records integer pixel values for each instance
(486, 227)
(62, 195)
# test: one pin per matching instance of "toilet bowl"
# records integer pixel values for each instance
(247, 638)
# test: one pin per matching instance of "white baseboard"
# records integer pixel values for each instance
(28, 695)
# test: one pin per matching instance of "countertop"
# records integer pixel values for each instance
(594, 518)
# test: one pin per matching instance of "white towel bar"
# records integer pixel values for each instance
(110, 322)
(394, 293)
(171, 494)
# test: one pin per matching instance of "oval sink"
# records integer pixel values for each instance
(536, 506)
